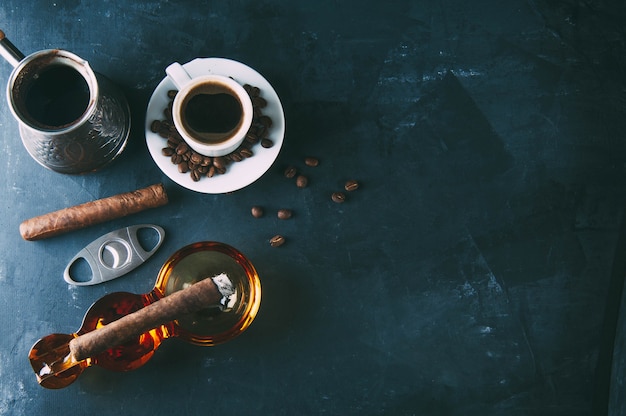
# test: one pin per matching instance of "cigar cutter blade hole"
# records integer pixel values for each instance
(114, 254)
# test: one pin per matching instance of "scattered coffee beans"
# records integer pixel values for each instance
(311, 161)
(351, 185)
(338, 197)
(302, 181)
(199, 166)
(290, 172)
(284, 214)
(277, 241)
(257, 211)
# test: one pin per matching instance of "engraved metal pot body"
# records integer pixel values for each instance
(89, 142)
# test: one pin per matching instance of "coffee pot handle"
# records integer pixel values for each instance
(9, 51)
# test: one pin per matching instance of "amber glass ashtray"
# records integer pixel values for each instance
(205, 259)
(121, 331)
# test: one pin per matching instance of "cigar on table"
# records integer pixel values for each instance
(94, 212)
(194, 298)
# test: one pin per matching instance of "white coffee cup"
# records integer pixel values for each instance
(212, 113)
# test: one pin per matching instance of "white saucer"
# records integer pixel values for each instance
(239, 174)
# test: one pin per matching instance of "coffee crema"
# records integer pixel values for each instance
(211, 113)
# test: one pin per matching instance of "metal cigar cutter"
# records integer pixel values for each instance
(114, 254)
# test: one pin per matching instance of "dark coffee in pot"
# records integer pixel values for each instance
(55, 97)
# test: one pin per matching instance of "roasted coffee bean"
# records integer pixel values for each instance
(183, 167)
(263, 132)
(174, 139)
(221, 170)
(155, 126)
(176, 159)
(182, 148)
(338, 197)
(311, 161)
(163, 131)
(351, 185)
(277, 241)
(168, 112)
(170, 128)
(255, 92)
(195, 175)
(302, 181)
(284, 214)
(211, 172)
(266, 121)
(167, 151)
(290, 172)
(206, 161)
(171, 94)
(259, 102)
(196, 158)
(174, 136)
(236, 157)
(252, 138)
(219, 162)
(202, 169)
(257, 211)
(267, 143)
(246, 153)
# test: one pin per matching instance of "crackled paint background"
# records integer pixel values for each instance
(472, 273)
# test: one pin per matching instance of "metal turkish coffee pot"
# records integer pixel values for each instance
(71, 119)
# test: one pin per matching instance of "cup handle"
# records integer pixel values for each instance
(178, 75)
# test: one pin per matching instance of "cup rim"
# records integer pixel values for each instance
(225, 147)
(73, 60)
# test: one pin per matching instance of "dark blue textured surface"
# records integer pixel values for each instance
(470, 274)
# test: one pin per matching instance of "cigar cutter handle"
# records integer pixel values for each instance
(113, 255)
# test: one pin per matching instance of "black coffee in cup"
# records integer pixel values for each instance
(54, 97)
(211, 113)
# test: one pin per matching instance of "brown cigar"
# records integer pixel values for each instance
(192, 299)
(94, 212)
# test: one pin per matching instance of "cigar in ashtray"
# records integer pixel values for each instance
(94, 212)
(191, 299)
